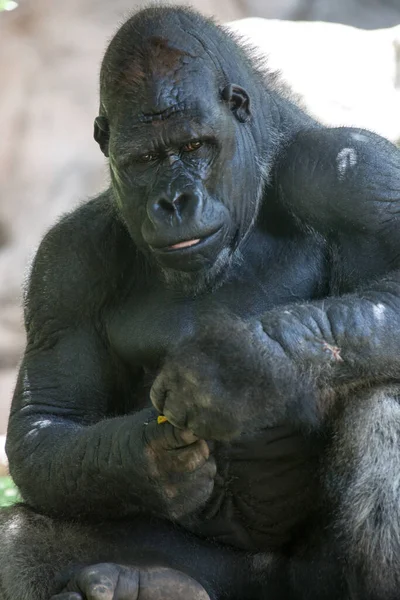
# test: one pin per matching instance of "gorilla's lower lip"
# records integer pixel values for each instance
(186, 244)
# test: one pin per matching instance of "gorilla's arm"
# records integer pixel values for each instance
(295, 361)
(321, 348)
(68, 453)
(344, 183)
(289, 366)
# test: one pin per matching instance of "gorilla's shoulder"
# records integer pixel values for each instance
(91, 234)
(93, 222)
(78, 260)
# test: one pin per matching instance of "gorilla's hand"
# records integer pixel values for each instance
(215, 384)
(180, 468)
(232, 377)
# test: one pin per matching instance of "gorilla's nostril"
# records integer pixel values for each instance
(166, 206)
(173, 208)
(178, 205)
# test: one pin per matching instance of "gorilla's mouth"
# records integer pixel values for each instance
(188, 244)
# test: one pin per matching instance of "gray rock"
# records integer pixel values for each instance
(343, 75)
(369, 14)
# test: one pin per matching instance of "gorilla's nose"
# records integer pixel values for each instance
(175, 208)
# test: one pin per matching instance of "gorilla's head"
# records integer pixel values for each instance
(179, 100)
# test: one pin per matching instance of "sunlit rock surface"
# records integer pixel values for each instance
(343, 75)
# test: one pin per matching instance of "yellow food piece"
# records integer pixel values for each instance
(162, 419)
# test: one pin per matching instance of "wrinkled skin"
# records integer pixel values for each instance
(175, 466)
(240, 277)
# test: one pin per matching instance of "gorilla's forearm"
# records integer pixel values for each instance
(289, 366)
(340, 341)
(61, 441)
(66, 468)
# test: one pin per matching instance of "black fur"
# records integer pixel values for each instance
(241, 274)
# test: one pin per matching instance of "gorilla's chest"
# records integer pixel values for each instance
(150, 319)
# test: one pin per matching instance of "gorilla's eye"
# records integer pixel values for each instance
(148, 157)
(192, 146)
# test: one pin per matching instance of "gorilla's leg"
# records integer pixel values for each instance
(142, 560)
(357, 555)
(364, 477)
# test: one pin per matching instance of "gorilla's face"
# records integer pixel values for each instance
(183, 167)
(169, 192)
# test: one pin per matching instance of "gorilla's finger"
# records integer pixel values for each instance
(168, 437)
(177, 416)
(187, 436)
(191, 458)
(158, 393)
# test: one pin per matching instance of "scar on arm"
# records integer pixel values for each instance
(334, 350)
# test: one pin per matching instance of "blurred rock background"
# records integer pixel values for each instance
(50, 53)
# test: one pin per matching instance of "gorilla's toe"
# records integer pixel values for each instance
(109, 581)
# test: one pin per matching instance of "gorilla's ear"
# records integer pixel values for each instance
(238, 100)
(102, 133)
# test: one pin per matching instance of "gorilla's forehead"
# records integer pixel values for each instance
(192, 91)
(188, 89)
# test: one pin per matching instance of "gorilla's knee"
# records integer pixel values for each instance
(24, 573)
(364, 483)
(41, 557)
(34, 550)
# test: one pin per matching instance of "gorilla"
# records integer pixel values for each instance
(208, 403)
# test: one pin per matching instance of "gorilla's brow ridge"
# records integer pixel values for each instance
(163, 114)
(191, 110)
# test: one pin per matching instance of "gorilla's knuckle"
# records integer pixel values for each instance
(98, 581)
(102, 573)
(194, 462)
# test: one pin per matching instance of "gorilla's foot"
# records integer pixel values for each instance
(108, 581)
